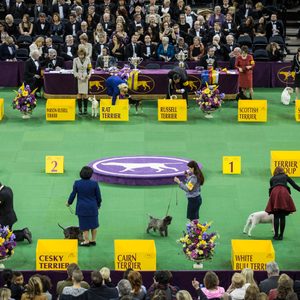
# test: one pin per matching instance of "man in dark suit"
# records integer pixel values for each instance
(72, 27)
(98, 47)
(107, 24)
(93, 14)
(229, 46)
(69, 49)
(274, 27)
(42, 26)
(133, 49)
(38, 8)
(19, 9)
(32, 71)
(8, 6)
(53, 61)
(229, 27)
(209, 60)
(48, 45)
(8, 216)
(272, 281)
(84, 29)
(148, 49)
(62, 8)
(109, 4)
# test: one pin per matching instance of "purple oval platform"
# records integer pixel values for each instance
(139, 170)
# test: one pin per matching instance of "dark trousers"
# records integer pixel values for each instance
(279, 222)
(193, 207)
(18, 233)
(172, 91)
(85, 104)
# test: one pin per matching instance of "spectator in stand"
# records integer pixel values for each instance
(79, 14)
(284, 288)
(3, 33)
(26, 27)
(245, 64)
(152, 3)
(166, 8)
(62, 8)
(5, 294)
(84, 43)
(228, 47)
(124, 289)
(139, 291)
(99, 31)
(211, 287)
(162, 281)
(57, 27)
(209, 61)
(197, 49)
(11, 27)
(100, 45)
(152, 12)
(198, 31)
(153, 30)
(259, 11)
(17, 286)
(8, 50)
(167, 31)
(37, 45)
(38, 8)
(91, 24)
(249, 276)
(260, 27)
(107, 4)
(148, 49)
(178, 9)
(69, 49)
(296, 68)
(42, 26)
(200, 294)
(233, 56)
(34, 290)
(219, 54)
(190, 16)
(76, 289)
(181, 46)
(237, 289)
(54, 62)
(72, 26)
(84, 29)
(121, 33)
(100, 64)
(165, 50)
(217, 16)
(105, 273)
(246, 10)
(216, 30)
(247, 28)
(272, 281)
(116, 47)
(229, 27)
(107, 24)
(92, 13)
(20, 9)
(274, 52)
(69, 281)
(183, 295)
(225, 7)
(98, 290)
(47, 285)
(252, 292)
(133, 49)
(274, 27)
(183, 25)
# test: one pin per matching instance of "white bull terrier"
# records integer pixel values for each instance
(286, 95)
(258, 218)
(95, 106)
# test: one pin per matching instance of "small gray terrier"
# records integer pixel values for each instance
(159, 224)
(72, 232)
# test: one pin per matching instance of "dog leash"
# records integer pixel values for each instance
(176, 199)
(71, 210)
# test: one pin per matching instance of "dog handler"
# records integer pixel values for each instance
(280, 202)
(192, 187)
(88, 203)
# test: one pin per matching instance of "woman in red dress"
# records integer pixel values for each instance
(280, 202)
(245, 64)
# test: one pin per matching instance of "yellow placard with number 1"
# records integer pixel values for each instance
(55, 164)
(232, 165)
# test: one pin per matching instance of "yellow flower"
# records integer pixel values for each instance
(25, 94)
(9, 234)
(202, 242)
(200, 252)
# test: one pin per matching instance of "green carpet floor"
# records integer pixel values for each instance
(227, 199)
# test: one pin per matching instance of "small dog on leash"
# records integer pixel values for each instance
(258, 218)
(286, 95)
(136, 103)
(72, 233)
(95, 106)
(159, 224)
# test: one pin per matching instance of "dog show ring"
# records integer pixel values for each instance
(139, 170)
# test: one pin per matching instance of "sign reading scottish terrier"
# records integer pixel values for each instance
(252, 111)
(1, 109)
(288, 160)
(56, 254)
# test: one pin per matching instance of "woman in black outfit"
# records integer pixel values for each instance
(280, 202)
(296, 68)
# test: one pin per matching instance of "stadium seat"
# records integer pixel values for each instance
(24, 39)
(277, 39)
(152, 66)
(259, 42)
(167, 66)
(22, 54)
(261, 54)
(57, 39)
(245, 40)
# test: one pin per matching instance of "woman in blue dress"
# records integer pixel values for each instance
(192, 187)
(88, 203)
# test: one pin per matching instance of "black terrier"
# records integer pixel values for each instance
(159, 224)
(72, 232)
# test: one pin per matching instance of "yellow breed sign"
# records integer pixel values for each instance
(253, 254)
(172, 110)
(60, 110)
(139, 255)
(118, 112)
(252, 111)
(1, 109)
(297, 110)
(288, 160)
(56, 254)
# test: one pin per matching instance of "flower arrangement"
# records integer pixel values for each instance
(209, 98)
(7, 242)
(197, 243)
(25, 101)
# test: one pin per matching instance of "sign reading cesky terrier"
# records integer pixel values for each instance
(288, 160)
(252, 111)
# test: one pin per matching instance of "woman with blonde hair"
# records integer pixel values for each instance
(5, 294)
(34, 290)
(105, 273)
(284, 288)
(183, 295)
(138, 290)
(249, 275)
(82, 69)
(252, 292)
(84, 43)
(98, 32)
(237, 289)
(280, 202)
(37, 45)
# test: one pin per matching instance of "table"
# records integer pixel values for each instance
(152, 84)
